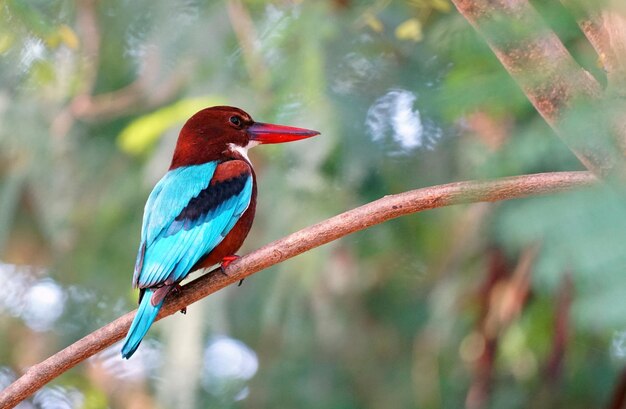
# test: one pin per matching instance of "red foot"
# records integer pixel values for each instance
(227, 260)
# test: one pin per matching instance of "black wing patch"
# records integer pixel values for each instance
(208, 199)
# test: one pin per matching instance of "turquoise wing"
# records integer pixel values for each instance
(186, 217)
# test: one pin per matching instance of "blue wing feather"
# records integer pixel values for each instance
(173, 248)
(168, 198)
(171, 194)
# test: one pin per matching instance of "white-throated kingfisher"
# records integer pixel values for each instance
(200, 212)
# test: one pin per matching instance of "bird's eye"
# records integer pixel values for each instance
(235, 120)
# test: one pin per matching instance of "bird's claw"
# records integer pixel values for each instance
(226, 262)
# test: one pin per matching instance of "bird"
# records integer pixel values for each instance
(200, 212)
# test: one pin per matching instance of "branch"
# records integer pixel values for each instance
(562, 315)
(549, 76)
(381, 210)
(618, 398)
(146, 92)
(244, 29)
(502, 299)
(604, 25)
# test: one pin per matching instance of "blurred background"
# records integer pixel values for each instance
(507, 305)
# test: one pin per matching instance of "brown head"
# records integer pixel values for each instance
(223, 132)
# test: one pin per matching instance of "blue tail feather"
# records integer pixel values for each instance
(146, 313)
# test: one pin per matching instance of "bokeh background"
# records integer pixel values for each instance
(507, 305)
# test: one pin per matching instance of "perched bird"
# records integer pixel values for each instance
(200, 212)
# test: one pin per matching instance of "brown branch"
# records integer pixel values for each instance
(502, 299)
(618, 398)
(146, 92)
(89, 31)
(554, 367)
(604, 25)
(368, 215)
(549, 76)
(244, 29)
(482, 372)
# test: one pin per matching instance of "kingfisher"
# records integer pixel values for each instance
(200, 212)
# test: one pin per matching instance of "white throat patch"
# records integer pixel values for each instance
(243, 150)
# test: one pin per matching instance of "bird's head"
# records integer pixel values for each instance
(222, 132)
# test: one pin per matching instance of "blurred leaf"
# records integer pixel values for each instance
(411, 29)
(42, 72)
(64, 35)
(37, 22)
(6, 41)
(95, 399)
(373, 22)
(138, 136)
(581, 232)
(441, 5)
(438, 5)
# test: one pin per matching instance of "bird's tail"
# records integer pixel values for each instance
(146, 313)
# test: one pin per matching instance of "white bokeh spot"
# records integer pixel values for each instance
(393, 118)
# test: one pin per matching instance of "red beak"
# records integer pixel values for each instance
(270, 133)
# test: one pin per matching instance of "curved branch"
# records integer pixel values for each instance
(360, 218)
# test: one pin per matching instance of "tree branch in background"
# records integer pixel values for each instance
(146, 92)
(379, 211)
(604, 25)
(89, 33)
(549, 76)
(554, 367)
(484, 335)
(502, 299)
(244, 29)
(618, 399)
